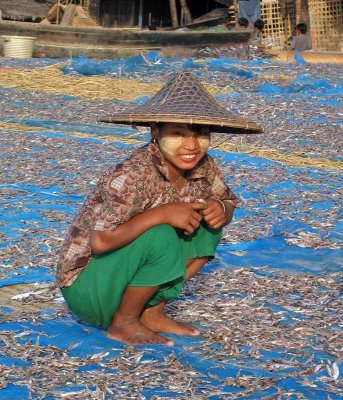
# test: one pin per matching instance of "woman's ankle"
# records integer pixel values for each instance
(120, 320)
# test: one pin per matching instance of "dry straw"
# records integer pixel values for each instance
(52, 80)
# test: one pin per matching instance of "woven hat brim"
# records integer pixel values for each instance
(225, 125)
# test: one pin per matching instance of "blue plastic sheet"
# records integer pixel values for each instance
(298, 59)
(263, 252)
(263, 255)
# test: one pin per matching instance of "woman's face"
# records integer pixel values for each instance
(182, 145)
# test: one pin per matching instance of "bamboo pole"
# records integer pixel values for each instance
(302, 12)
(186, 11)
(58, 12)
(173, 12)
(140, 14)
(236, 11)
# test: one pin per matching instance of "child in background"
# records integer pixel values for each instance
(243, 24)
(258, 33)
(153, 220)
(301, 41)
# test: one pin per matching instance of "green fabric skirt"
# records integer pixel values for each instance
(156, 258)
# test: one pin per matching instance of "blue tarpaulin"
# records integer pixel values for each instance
(291, 226)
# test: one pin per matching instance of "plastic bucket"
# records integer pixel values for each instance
(18, 46)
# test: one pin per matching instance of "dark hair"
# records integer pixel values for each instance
(197, 128)
(243, 22)
(259, 24)
(302, 27)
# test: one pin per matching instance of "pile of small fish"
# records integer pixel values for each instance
(259, 330)
(266, 332)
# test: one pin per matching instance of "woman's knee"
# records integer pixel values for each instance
(163, 238)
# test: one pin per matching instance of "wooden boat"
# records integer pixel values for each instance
(97, 42)
(57, 41)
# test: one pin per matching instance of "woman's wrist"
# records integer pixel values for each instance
(228, 208)
(232, 202)
(227, 201)
(223, 205)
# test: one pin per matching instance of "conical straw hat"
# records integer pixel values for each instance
(184, 99)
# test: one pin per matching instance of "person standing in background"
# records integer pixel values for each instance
(258, 33)
(301, 41)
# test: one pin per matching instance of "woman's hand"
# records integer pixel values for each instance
(217, 213)
(185, 216)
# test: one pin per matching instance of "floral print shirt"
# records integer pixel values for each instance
(137, 184)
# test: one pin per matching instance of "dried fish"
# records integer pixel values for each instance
(260, 325)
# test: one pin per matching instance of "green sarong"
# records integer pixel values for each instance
(156, 258)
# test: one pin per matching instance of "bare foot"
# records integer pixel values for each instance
(157, 321)
(136, 333)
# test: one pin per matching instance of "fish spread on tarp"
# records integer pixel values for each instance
(268, 306)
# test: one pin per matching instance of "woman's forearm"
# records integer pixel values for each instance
(182, 215)
(103, 241)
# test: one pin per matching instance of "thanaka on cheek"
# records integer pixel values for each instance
(170, 144)
(204, 143)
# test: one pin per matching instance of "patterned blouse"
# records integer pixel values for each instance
(137, 184)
